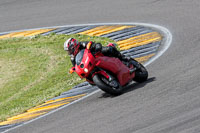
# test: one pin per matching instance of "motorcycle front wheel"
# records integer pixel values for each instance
(104, 85)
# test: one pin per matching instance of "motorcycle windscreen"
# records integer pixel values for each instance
(79, 57)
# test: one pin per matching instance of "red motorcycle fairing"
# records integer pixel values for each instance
(115, 66)
(86, 62)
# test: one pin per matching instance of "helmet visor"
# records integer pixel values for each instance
(70, 49)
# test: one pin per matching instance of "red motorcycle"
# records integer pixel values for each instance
(108, 73)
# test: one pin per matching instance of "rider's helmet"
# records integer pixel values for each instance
(71, 45)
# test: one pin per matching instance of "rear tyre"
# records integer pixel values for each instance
(103, 84)
(141, 74)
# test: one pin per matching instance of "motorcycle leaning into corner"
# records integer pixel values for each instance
(107, 73)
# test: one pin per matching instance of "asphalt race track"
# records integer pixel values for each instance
(168, 102)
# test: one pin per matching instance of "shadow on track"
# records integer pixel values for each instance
(130, 87)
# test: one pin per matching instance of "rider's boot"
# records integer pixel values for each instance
(128, 59)
(136, 64)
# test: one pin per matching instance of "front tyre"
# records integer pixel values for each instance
(104, 85)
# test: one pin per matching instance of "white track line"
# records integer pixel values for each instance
(167, 42)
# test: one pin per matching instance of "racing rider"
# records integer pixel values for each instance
(72, 46)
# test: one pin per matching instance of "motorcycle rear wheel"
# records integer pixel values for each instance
(141, 74)
(100, 82)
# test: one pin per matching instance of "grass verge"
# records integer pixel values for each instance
(33, 70)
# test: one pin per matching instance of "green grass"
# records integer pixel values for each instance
(33, 70)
